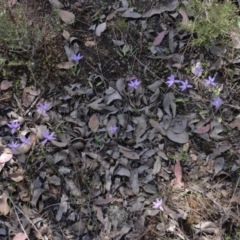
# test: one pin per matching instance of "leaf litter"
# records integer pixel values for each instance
(113, 147)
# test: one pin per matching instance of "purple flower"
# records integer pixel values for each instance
(13, 145)
(113, 129)
(43, 107)
(217, 102)
(13, 125)
(25, 140)
(134, 83)
(171, 80)
(197, 70)
(48, 137)
(76, 57)
(210, 81)
(158, 204)
(185, 85)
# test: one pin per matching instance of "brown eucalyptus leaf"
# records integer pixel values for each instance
(59, 144)
(79, 227)
(159, 38)
(157, 126)
(235, 37)
(66, 65)
(129, 154)
(168, 101)
(66, 34)
(104, 201)
(178, 137)
(6, 155)
(66, 16)
(216, 128)
(184, 15)
(4, 207)
(178, 173)
(93, 122)
(5, 84)
(20, 236)
(203, 129)
(16, 177)
(235, 123)
(100, 28)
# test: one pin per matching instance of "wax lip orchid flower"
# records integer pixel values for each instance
(44, 107)
(217, 102)
(185, 85)
(171, 80)
(48, 137)
(25, 140)
(14, 126)
(113, 129)
(134, 83)
(158, 204)
(13, 145)
(210, 81)
(76, 57)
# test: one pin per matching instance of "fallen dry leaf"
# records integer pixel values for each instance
(129, 154)
(66, 16)
(5, 85)
(11, 3)
(203, 129)
(66, 34)
(159, 38)
(178, 137)
(235, 123)
(218, 165)
(184, 15)
(168, 101)
(178, 173)
(65, 65)
(20, 236)
(93, 122)
(100, 28)
(4, 207)
(6, 155)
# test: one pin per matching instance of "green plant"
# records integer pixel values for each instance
(212, 20)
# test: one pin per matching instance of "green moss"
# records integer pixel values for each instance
(212, 20)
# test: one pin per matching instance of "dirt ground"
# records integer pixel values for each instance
(107, 130)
